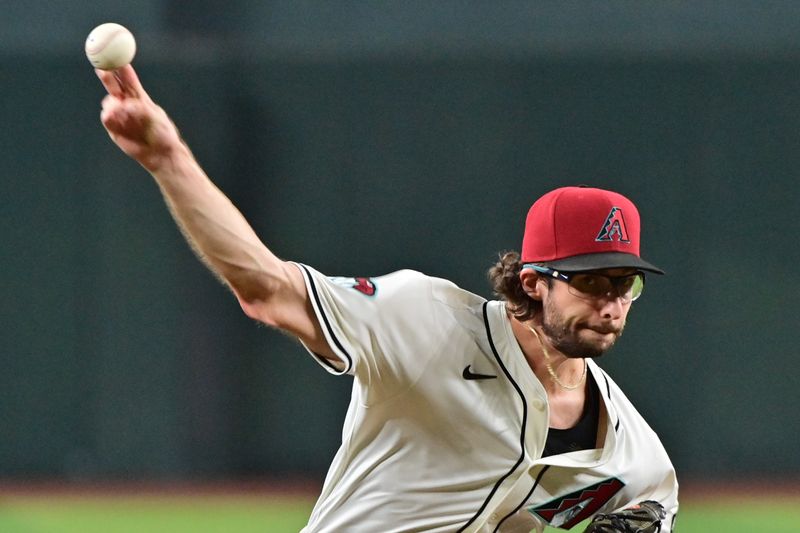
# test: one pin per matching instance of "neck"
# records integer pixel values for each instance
(558, 373)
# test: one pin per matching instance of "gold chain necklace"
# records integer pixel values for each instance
(549, 367)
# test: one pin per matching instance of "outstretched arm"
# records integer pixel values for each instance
(268, 289)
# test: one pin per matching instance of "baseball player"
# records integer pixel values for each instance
(466, 414)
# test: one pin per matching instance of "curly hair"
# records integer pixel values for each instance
(504, 277)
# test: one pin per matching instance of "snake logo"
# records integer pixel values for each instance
(365, 286)
(613, 228)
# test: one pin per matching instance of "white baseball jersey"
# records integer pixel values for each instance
(447, 422)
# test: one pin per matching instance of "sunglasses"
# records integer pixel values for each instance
(588, 285)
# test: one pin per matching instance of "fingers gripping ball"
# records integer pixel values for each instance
(643, 518)
(110, 46)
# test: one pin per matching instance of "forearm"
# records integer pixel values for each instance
(216, 229)
(269, 290)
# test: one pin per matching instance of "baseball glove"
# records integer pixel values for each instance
(643, 518)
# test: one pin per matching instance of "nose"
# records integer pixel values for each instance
(613, 307)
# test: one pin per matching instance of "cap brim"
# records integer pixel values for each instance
(602, 261)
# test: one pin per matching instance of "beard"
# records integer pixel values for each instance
(565, 336)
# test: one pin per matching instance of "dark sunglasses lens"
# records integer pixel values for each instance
(596, 286)
(590, 285)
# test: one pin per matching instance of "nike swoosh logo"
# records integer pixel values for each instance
(470, 375)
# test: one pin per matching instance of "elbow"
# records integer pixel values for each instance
(251, 307)
(271, 298)
(257, 299)
(257, 307)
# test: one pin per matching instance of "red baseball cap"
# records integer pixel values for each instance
(582, 228)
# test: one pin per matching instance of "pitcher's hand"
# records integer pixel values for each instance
(135, 123)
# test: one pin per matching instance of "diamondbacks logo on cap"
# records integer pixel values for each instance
(613, 228)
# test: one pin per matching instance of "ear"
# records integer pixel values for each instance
(530, 284)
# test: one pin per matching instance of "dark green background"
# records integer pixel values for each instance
(363, 138)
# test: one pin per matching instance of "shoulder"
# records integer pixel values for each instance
(405, 284)
(388, 291)
(401, 301)
(447, 301)
(608, 387)
(621, 410)
(451, 295)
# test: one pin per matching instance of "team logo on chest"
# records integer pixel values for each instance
(613, 228)
(568, 511)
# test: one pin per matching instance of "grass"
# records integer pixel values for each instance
(173, 514)
(740, 516)
(64, 513)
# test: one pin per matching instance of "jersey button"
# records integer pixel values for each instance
(538, 404)
(493, 518)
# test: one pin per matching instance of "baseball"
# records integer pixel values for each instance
(110, 46)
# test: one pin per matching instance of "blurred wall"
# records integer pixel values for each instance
(362, 138)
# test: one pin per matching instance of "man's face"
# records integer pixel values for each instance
(583, 327)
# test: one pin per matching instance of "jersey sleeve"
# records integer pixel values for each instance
(383, 330)
(665, 490)
(669, 499)
(664, 485)
(641, 460)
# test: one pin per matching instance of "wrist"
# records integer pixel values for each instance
(169, 161)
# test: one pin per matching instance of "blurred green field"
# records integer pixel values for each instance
(271, 514)
(138, 514)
